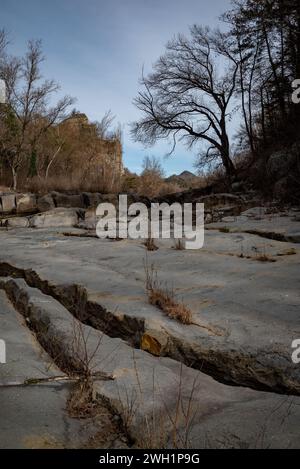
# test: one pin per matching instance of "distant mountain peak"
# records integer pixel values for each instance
(186, 173)
(186, 179)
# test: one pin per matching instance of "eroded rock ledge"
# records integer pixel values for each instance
(269, 369)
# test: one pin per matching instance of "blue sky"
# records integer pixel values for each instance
(96, 50)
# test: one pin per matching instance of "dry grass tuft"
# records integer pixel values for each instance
(81, 403)
(287, 252)
(224, 229)
(150, 244)
(264, 258)
(163, 298)
(179, 245)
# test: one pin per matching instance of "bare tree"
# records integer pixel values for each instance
(152, 164)
(28, 114)
(188, 98)
(104, 126)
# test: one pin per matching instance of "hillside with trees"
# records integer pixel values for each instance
(202, 81)
(43, 143)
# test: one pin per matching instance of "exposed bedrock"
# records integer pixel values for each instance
(171, 403)
(217, 354)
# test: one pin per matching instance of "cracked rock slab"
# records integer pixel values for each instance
(146, 391)
(33, 416)
(283, 226)
(238, 298)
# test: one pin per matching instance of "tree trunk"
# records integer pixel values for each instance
(225, 150)
(15, 179)
(228, 165)
(226, 160)
(263, 117)
(243, 99)
(280, 96)
(51, 161)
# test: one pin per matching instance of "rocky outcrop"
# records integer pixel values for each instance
(7, 203)
(68, 201)
(45, 203)
(26, 203)
(149, 394)
(64, 217)
(92, 199)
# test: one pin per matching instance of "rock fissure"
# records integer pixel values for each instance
(232, 368)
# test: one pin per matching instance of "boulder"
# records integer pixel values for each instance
(68, 201)
(154, 342)
(45, 203)
(15, 222)
(65, 217)
(255, 212)
(92, 199)
(26, 203)
(110, 198)
(7, 203)
(228, 210)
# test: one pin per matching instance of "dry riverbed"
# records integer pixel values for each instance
(76, 307)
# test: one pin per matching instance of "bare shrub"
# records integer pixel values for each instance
(171, 428)
(81, 402)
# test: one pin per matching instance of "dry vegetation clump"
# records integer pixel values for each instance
(179, 245)
(150, 244)
(288, 252)
(164, 298)
(264, 258)
(172, 427)
(260, 256)
(105, 180)
(151, 183)
(81, 402)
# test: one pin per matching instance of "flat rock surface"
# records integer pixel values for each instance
(145, 392)
(284, 225)
(245, 318)
(34, 416)
(233, 300)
